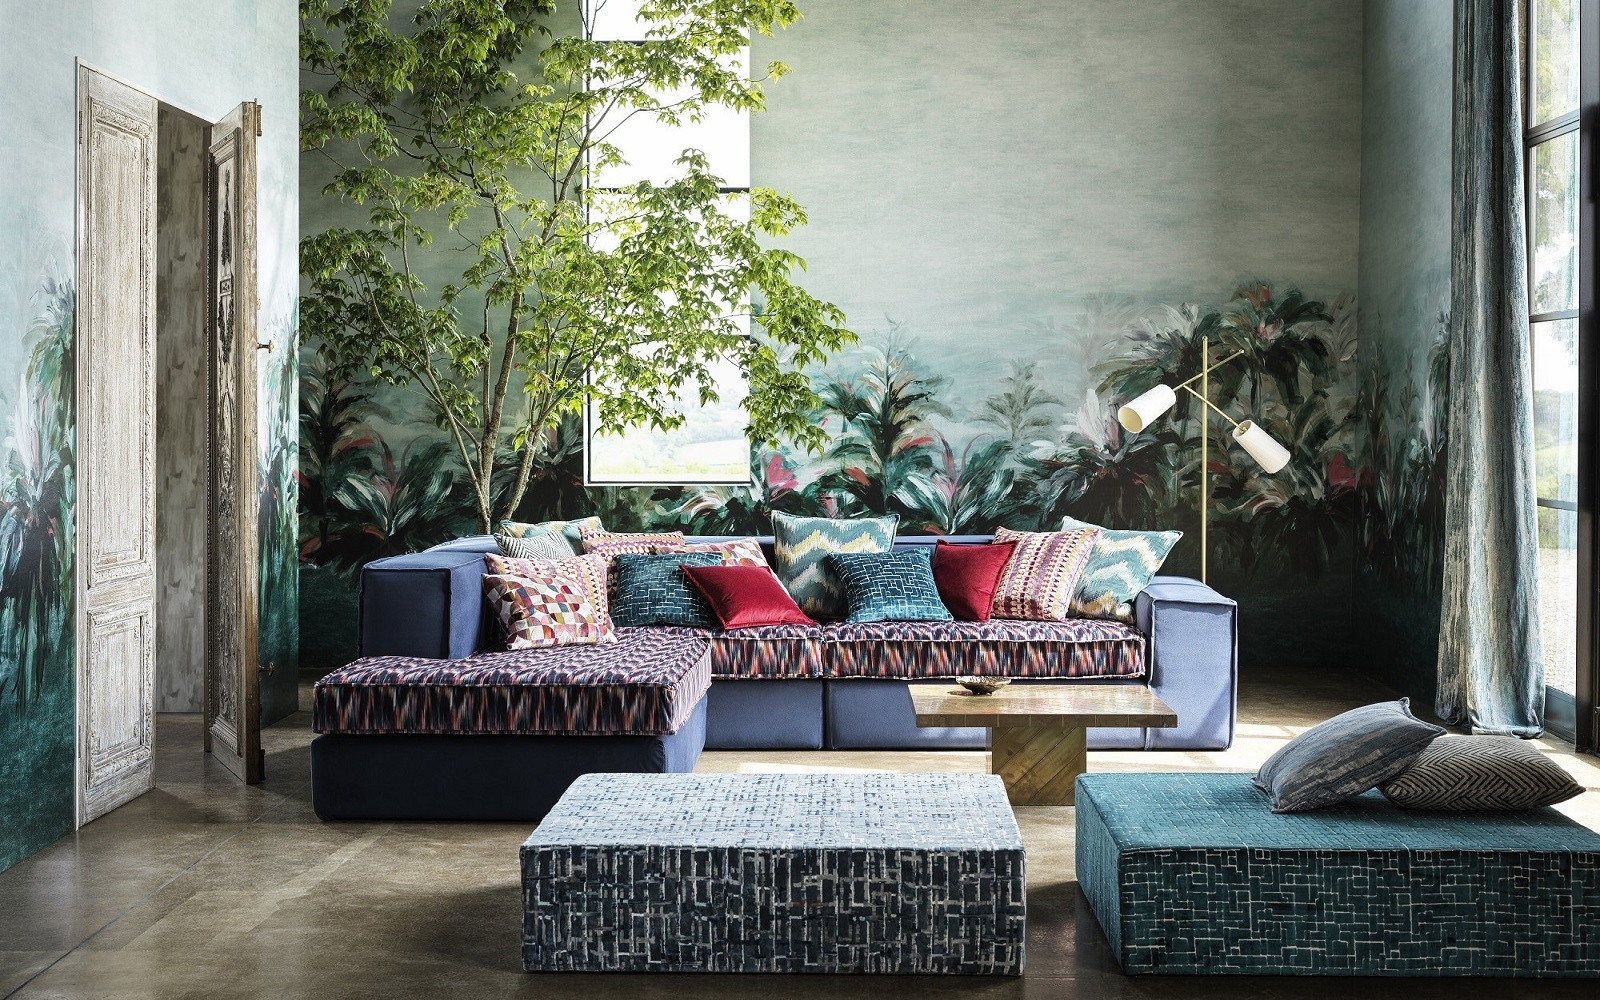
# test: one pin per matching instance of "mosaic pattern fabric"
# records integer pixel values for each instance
(570, 530)
(552, 611)
(1078, 647)
(765, 652)
(737, 552)
(1481, 772)
(890, 586)
(652, 590)
(1042, 574)
(831, 873)
(543, 543)
(801, 546)
(587, 570)
(611, 544)
(1189, 874)
(1121, 565)
(646, 683)
(1351, 753)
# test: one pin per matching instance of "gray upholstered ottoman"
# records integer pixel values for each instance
(1192, 873)
(904, 873)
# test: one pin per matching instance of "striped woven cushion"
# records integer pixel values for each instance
(541, 543)
(1120, 567)
(1481, 772)
(1042, 574)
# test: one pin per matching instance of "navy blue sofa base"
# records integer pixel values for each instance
(498, 777)
(764, 715)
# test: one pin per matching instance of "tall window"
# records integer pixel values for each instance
(711, 447)
(1551, 116)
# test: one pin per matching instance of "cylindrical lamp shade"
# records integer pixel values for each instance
(1140, 413)
(1269, 454)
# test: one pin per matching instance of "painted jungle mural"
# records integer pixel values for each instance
(904, 440)
(36, 582)
(278, 572)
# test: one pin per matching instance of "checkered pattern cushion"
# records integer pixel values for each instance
(543, 543)
(587, 570)
(568, 529)
(1042, 574)
(890, 586)
(613, 543)
(802, 546)
(652, 590)
(550, 611)
(1122, 564)
(738, 552)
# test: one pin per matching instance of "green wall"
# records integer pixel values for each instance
(207, 56)
(1405, 302)
(1026, 210)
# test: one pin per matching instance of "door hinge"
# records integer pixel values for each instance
(257, 117)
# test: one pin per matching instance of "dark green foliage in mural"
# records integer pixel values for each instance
(278, 525)
(36, 585)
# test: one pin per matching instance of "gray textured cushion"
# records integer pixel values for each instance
(541, 543)
(1481, 772)
(1345, 756)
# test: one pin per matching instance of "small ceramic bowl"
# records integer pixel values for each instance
(983, 685)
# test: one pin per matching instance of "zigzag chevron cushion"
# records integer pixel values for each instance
(802, 545)
(1122, 564)
(1481, 772)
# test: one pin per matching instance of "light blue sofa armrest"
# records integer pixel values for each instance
(1192, 657)
(427, 604)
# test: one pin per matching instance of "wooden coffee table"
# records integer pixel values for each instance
(1036, 741)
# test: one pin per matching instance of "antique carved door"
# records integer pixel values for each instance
(116, 442)
(233, 689)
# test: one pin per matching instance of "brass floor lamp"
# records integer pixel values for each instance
(1139, 413)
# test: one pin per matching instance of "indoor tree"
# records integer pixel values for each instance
(475, 122)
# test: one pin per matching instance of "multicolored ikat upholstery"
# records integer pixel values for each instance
(646, 683)
(765, 652)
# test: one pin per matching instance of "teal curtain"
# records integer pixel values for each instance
(1491, 657)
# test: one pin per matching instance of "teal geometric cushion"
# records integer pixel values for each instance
(653, 590)
(1121, 565)
(568, 529)
(890, 586)
(802, 545)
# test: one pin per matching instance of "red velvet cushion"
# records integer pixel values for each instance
(967, 575)
(746, 596)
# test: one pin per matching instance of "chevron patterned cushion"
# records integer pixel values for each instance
(550, 611)
(587, 570)
(1481, 772)
(541, 543)
(652, 590)
(1042, 574)
(890, 586)
(802, 545)
(1120, 566)
(570, 530)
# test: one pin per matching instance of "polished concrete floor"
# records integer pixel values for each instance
(206, 888)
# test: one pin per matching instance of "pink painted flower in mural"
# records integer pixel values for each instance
(780, 478)
(1341, 475)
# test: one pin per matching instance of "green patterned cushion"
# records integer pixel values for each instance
(890, 586)
(569, 529)
(802, 545)
(1120, 566)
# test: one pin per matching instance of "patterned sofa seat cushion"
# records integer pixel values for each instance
(765, 652)
(647, 683)
(1078, 647)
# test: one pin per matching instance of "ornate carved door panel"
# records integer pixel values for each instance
(116, 442)
(233, 691)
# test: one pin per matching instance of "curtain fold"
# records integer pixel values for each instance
(1491, 657)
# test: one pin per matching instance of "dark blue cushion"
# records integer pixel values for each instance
(890, 586)
(652, 590)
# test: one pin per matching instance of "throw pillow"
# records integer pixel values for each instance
(1122, 564)
(801, 546)
(569, 530)
(1345, 756)
(652, 590)
(890, 586)
(737, 552)
(1041, 576)
(1481, 772)
(544, 543)
(967, 575)
(745, 596)
(640, 543)
(549, 611)
(587, 570)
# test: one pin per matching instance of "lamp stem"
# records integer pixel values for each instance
(1205, 446)
(1220, 411)
(1204, 368)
